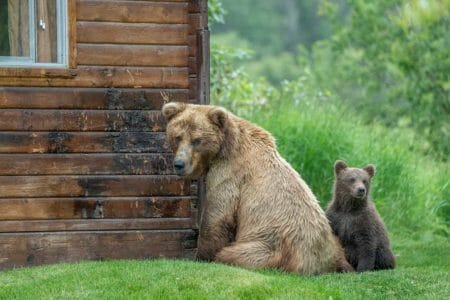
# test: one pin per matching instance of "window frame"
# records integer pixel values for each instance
(62, 20)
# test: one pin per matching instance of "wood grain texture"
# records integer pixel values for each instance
(86, 164)
(83, 142)
(132, 33)
(94, 208)
(18, 249)
(132, 55)
(72, 33)
(94, 224)
(80, 120)
(88, 98)
(92, 186)
(107, 76)
(132, 11)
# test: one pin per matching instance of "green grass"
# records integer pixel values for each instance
(423, 272)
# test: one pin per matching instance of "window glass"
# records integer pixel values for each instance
(33, 32)
(14, 28)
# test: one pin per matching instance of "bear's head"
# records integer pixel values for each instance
(195, 134)
(353, 181)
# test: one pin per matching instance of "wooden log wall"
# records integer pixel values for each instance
(85, 172)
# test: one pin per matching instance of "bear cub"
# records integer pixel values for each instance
(355, 220)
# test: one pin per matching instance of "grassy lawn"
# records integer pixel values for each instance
(423, 272)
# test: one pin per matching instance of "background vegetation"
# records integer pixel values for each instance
(367, 82)
(387, 60)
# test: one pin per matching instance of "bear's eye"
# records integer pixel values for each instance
(196, 142)
(352, 179)
(178, 140)
(364, 181)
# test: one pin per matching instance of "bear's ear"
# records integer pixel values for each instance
(172, 109)
(219, 116)
(339, 165)
(370, 169)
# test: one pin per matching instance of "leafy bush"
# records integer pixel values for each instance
(390, 62)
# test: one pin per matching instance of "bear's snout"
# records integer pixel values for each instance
(360, 192)
(179, 166)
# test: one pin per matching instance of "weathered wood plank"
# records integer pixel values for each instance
(94, 208)
(88, 98)
(82, 142)
(132, 11)
(197, 21)
(192, 44)
(94, 224)
(86, 164)
(72, 33)
(80, 120)
(132, 55)
(95, 76)
(196, 6)
(37, 73)
(20, 249)
(129, 33)
(92, 186)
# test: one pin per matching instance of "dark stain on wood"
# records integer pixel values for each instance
(56, 142)
(83, 142)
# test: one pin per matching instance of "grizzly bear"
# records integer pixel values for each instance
(259, 213)
(355, 220)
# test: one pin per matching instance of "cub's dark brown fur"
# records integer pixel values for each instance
(355, 220)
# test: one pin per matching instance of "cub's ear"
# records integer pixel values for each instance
(172, 109)
(219, 117)
(339, 165)
(370, 169)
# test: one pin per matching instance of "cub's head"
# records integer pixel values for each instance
(195, 134)
(353, 181)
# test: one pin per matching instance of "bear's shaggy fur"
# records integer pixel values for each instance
(259, 213)
(356, 222)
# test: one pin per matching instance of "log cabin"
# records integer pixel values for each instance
(85, 172)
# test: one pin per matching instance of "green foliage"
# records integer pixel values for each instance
(422, 273)
(274, 26)
(390, 62)
(216, 12)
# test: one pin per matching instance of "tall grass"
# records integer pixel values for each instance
(410, 190)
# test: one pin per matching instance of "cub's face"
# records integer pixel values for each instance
(353, 181)
(195, 134)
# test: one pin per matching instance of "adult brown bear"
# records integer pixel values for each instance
(259, 213)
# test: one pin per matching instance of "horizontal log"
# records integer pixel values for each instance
(82, 142)
(94, 208)
(86, 164)
(88, 98)
(132, 11)
(20, 249)
(38, 72)
(132, 55)
(92, 186)
(106, 76)
(80, 120)
(94, 224)
(129, 33)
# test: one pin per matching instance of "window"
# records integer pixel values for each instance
(33, 33)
